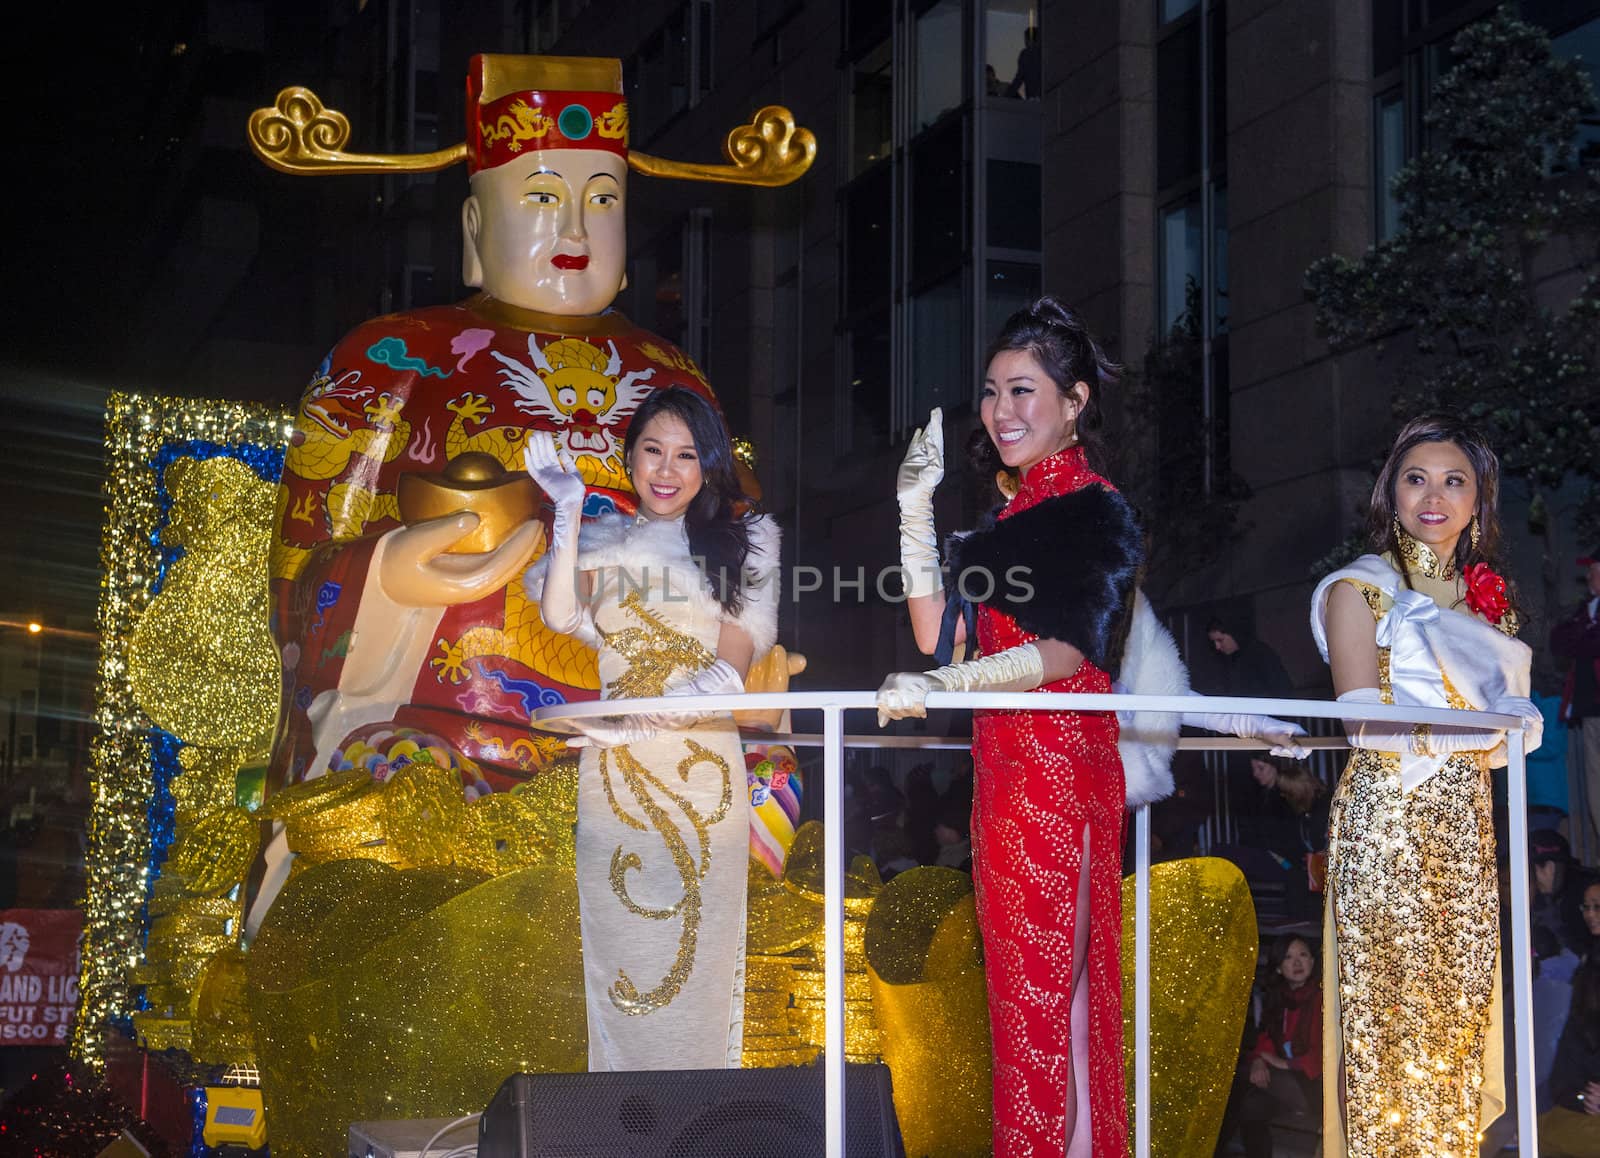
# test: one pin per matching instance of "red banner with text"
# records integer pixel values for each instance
(38, 975)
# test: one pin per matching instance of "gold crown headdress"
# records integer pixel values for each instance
(517, 103)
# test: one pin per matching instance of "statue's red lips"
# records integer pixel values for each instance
(570, 261)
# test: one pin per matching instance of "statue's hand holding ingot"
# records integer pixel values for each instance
(468, 533)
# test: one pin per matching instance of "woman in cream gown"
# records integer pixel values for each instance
(1411, 976)
(663, 822)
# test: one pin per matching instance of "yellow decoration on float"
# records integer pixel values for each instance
(1203, 953)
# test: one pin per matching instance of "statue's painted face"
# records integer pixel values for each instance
(547, 231)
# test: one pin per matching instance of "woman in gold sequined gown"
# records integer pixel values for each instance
(1412, 967)
(663, 823)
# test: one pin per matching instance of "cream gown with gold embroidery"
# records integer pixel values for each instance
(663, 831)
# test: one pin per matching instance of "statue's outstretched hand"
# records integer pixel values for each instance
(417, 571)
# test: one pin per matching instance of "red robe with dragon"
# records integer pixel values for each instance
(407, 393)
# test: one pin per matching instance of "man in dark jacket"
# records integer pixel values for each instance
(1576, 640)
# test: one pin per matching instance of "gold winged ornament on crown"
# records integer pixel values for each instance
(529, 102)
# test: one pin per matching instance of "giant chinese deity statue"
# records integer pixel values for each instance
(404, 522)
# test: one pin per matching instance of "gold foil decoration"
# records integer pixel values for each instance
(202, 662)
(925, 961)
(214, 853)
(383, 994)
(1203, 949)
(769, 151)
(115, 954)
(785, 997)
(300, 135)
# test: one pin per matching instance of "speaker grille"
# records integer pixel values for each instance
(764, 1113)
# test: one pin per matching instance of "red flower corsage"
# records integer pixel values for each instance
(1486, 592)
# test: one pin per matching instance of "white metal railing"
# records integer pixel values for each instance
(833, 706)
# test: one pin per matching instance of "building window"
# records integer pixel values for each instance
(939, 61)
(871, 108)
(670, 284)
(1388, 156)
(1010, 286)
(1170, 10)
(939, 203)
(1011, 48)
(671, 71)
(1183, 259)
(938, 371)
(1015, 194)
(1583, 43)
(1192, 244)
(870, 392)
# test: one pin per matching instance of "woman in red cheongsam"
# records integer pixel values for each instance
(1047, 816)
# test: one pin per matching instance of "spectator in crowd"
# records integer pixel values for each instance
(1175, 822)
(1554, 904)
(1287, 820)
(1554, 965)
(1547, 774)
(1029, 81)
(1249, 667)
(1576, 642)
(954, 829)
(1571, 1127)
(1280, 1074)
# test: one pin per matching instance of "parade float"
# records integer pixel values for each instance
(328, 855)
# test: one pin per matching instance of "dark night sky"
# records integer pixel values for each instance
(83, 180)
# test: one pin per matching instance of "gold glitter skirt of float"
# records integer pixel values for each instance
(1414, 971)
(382, 994)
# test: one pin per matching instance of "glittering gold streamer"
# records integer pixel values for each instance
(1203, 955)
(120, 772)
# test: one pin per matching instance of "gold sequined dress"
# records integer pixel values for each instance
(1411, 975)
(663, 825)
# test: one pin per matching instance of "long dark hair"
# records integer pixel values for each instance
(718, 520)
(1451, 428)
(1060, 342)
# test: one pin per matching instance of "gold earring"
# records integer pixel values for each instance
(1472, 532)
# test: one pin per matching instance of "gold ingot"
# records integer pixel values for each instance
(503, 500)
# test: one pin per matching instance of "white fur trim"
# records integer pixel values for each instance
(622, 541)
(1151, 666)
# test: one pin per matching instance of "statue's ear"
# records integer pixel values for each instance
(471, 224)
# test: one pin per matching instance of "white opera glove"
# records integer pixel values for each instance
(905, 693)
(921, 472)
(1418, 740)
(721, 678)
(614, 731)
(1280, 734)
(1533, 734)
(558, 478)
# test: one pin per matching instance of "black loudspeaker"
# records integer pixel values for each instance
(759, 1113)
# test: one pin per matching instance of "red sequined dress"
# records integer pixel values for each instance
(1044, 781)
